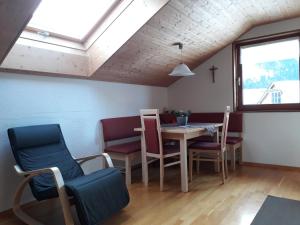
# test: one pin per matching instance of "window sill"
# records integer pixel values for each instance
(270, 108)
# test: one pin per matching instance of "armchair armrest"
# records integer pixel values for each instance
(82, 160)
(54, 170)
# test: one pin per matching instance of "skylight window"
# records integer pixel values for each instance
(73, 19)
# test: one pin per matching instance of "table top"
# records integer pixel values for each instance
(189, 128)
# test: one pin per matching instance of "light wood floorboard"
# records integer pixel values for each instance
(207, 203)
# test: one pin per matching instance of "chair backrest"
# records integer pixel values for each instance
(152, 131)
(42, 146)
(225, 128)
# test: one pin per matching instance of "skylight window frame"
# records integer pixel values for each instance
(101, 20)
(238, 78)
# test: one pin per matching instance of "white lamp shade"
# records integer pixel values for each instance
(181, 70)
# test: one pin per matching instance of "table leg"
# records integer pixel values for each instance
(183, 165)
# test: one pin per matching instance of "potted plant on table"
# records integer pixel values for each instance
(181, 117)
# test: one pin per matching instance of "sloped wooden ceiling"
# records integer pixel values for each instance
(147, 57)
(204, 26)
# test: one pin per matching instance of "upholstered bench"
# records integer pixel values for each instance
(117, 133)
(235, 130)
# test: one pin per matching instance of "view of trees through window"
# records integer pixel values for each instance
(270, 72)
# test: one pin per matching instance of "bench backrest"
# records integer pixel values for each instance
(120, 127)
(235, 121)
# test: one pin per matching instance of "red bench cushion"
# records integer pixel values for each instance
(233, 140)
(125, 148)
(167, 118)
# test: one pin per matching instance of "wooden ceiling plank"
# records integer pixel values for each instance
(129, 22)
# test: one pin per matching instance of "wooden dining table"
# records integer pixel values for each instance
(181, 134)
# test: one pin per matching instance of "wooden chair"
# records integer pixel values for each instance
(211, 151)
(234, 144)
(153, 145)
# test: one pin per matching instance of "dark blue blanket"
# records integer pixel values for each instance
(98, 195)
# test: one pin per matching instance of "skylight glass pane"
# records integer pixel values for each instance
(71, 18)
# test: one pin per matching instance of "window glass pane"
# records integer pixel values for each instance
(71, 18)
(271, 72)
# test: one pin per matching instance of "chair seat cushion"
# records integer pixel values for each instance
(125, 148)
(205, 138)
(206, 146)
(98, 195)
(233, 140)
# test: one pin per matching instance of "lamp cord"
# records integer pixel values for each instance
(181, 55)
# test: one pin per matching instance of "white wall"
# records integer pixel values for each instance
(271, 138)
(77, 105)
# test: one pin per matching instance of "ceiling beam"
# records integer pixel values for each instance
(14, 16)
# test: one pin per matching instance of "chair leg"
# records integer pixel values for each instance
(223, 168)
(128, 170)
(233, 159)
(198, 163)
(145, 170)
(226, 164)
(217, 165)
(161, 174)
(241, 154)
(191, 155)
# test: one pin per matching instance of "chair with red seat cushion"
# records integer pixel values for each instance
(234, 144)
(235, 130)
(154, 148)
(211, 151)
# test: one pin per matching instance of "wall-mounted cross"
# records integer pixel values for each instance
(213, 69)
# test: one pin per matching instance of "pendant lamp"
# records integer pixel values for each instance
(181, 69)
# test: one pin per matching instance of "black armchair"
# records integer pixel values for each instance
(43, 159)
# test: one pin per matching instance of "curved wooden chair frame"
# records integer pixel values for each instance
(62, 195)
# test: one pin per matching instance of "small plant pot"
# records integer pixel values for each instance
(182, 120)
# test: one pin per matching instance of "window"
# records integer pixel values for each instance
(267, 73)
(70, 19)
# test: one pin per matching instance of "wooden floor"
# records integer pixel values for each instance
(208, 202)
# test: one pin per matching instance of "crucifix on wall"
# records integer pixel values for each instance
(213, 69)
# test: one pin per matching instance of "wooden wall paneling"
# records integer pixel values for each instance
(25, 56)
